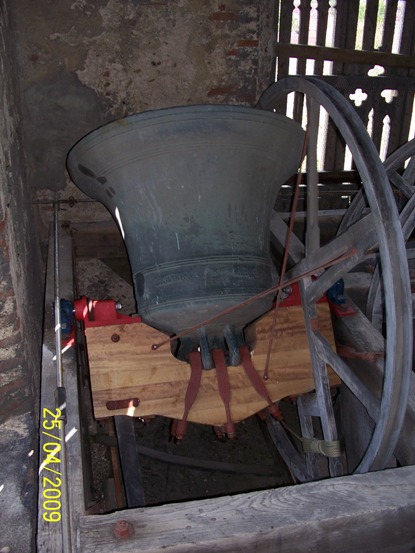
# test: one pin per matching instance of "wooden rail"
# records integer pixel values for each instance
(345, 55)
(364, 513)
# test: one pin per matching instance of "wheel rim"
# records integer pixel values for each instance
(405, 185)
(379, 229)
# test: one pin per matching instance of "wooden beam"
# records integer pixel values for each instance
(50, 534)
(130, 461)
(128, 369)
(99, 240)
(344, 55)
(365, 513)
(358, 330)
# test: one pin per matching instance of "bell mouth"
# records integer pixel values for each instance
(192, 191)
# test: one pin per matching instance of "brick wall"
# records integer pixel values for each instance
(20, 319)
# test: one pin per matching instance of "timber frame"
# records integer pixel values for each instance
(368, 512)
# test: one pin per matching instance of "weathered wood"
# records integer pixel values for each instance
(364, 513)
(359, 331)
(345, 55)
(369, 31)
(99, 239)
(49, 534)
(293, 459)
(322, 13)
(312, 238)
(129, 369)
(321, 379)
(130, 461)
(389, 26)
(314, 468)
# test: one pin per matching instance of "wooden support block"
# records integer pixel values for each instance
(128, 369)
(364, 513)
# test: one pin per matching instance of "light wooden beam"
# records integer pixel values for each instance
(128, 368)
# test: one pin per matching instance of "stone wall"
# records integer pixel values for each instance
(21, 316)
(67, 68)
(84, 63)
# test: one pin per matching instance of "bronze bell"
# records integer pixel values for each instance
(192, 190)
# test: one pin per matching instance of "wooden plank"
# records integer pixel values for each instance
(364, 513)
(369, 30)
(312, 237)
(129, 369)
(99, 239)
(345, 55)
(312, 461)
(49, 534)
(293, 459)
(130, 461)
(322, 14)
(389, 27)
(321, 378)
(359, 331)
(351, 82)
(304, 9)
(405, 450)
(285, 29)
(73, 424)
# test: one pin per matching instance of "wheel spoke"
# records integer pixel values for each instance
(357, 240)
(359, 233)
(348, 376)
(313, 230)
(321, 379)
(279, 231)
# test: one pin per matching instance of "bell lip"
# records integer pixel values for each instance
(155, 115)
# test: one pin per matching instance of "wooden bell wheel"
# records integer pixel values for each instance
(403, 185)
(372, 226)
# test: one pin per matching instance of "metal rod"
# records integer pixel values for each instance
(285, 254)
(65, 520)
(58, 331)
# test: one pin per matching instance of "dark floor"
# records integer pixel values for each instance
(169, 481)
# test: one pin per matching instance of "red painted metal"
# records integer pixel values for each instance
(122, 403)
(342, 310)
(95, 313)
(295, 297)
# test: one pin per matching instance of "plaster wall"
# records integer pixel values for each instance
(20, 316)
(67, 68)
(86, 62)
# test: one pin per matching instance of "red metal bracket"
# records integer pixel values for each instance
(95, 313)
(295, 297)
(342, 310)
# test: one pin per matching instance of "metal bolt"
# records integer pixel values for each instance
(123, 529)
(118, 306)
(115, 338)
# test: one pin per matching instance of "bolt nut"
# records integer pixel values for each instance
(115, 338)
(123, 529)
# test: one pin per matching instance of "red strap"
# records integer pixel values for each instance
(224, 389)
(257, 383)
(179, 428)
